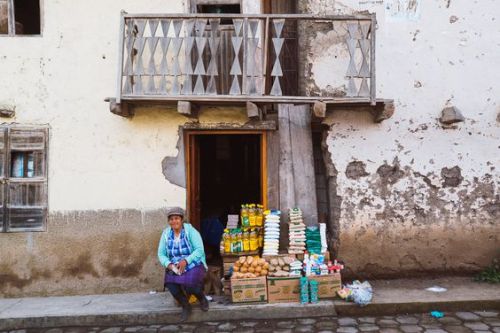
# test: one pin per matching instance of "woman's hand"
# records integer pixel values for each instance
(182, 266)
(170, 266)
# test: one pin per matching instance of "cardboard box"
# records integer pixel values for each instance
(249, 290)
(283, 290)
(328, 285)
(326, 254)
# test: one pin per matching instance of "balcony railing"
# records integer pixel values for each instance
(235, 57)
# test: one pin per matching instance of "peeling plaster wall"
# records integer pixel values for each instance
(107, 189)
(417, 197)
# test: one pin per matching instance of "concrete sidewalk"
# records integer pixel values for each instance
(390, 297)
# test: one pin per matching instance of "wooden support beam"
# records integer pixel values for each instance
(383, 111)
(253, 110)
(319, 109)
(187, 109)
(121, 109)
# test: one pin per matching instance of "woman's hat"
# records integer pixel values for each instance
(178, 211)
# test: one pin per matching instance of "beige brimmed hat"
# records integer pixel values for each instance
(175, 211)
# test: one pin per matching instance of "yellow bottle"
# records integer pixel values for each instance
(251, 215)
(246, 241)
(259, 216)
(227, 241)
(254, 241)
(244, 216)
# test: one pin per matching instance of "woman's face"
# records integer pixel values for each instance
(175, 222)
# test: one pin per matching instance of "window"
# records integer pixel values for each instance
(20, 17)
(23, 178)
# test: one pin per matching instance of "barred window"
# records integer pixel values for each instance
(23, 178)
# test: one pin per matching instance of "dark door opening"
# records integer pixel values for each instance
(225, 172)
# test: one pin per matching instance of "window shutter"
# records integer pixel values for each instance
(26, 191)
(3, 164)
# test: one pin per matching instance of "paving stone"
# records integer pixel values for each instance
(226, 327)
(389, 330)
(285, 324)
(387, 323)
(304, 329)
(244, 330)
(407, 320)
(369, 320)
(212, 323)
(495, 322)
(249, 324)
(283, 330)
(307, 321)
(487, 314)
(54, 330)
(18, 331)
(327, 331)
(451, 321)
(347, 329)
(205, 329)
(137, 329)
(432, 326)
(325, 325)
(467, 316)
(435, 331)
(347, 321)
(368, 328)
(411, 328)
(149, 330)
(477, 326)
(111, 330)
(496, 329)
(457, 329)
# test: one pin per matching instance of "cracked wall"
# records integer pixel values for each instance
(417, 196)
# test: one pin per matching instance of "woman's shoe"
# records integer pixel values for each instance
(203, 302)
(186, 307)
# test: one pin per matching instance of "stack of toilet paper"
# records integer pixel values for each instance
(297, 232)
(322, 231)
(271, 233)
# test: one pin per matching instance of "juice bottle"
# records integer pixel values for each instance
(244, 216)
(254, 241)
(227, 241)
(251, 215)
(239, 241)
(259, 216)
(234, 244)
(261, 237)
(246, 241)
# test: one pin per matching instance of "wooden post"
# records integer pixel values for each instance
(319, 109)
(253, 111)
(373, 81)
(303, 163)
(187, 109)
(11, 18)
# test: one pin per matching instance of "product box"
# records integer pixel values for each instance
(326, 254)
(249, 290)
(283, 290)
(328, 285)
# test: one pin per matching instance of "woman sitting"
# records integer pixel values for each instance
(181, 252)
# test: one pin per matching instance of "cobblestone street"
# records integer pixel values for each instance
(458, 322)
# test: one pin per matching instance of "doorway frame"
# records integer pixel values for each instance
(189, 153)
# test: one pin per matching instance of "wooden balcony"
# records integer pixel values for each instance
(234, 59)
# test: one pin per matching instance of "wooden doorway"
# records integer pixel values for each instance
(224, 169)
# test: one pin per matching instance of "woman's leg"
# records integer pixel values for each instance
(198, 292)
(176, 291)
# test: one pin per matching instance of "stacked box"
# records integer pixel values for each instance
(283, 290)
(249, 290)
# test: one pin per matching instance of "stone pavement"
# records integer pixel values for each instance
(390, 297)
(455, 322)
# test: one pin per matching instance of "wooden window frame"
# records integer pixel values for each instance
(189, 157)
(6, 179)
(11, 21)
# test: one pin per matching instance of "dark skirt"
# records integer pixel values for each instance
(192, 278)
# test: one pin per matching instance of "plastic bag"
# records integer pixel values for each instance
(360, 292)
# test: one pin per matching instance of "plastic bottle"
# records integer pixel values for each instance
(227, 241)
(246, 241)
(239, 241)
(252, 217)
(244, 216)
(254, 240)
(234, 244)
(259, 221)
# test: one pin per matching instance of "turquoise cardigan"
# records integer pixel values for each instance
(195, 240)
